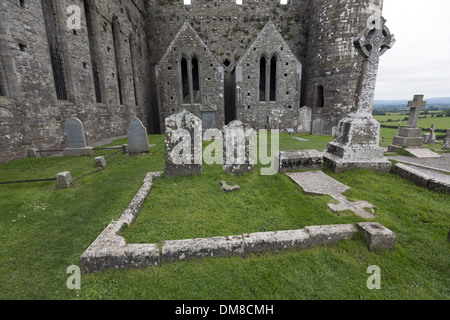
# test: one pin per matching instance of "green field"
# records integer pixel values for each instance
(442, 123)
(45, 230)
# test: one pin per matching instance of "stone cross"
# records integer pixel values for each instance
(415, 106)
(372, 44)
(432, 135)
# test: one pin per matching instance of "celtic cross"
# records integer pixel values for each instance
(372, 44)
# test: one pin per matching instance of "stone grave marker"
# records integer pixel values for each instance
(446, 144)
(319, 183)
(432, 135)
(410, 136)
(76, 141)
(305, 118)
(239, 148)
(183, 144)
(137, 137)
(356, 144)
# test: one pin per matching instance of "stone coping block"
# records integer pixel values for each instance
(422, 179)
(377, 236)
(100, 162)
(200, 248)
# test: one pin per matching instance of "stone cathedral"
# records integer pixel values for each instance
(273, 64)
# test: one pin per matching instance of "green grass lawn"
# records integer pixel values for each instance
(45, 230)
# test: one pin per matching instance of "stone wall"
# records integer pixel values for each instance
(30, 113)
(228, 30)
(263, 109)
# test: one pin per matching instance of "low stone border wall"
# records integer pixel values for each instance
(110, 251)
(421, 178)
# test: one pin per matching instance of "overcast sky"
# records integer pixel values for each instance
(419, 62)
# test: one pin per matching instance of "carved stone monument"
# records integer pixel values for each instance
(446, 144)
(76, 141)
(356, 145)
(183, 143)
(239, 148)
(137, 137)
(410, 136)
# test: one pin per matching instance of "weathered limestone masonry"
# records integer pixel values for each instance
(268, 83)
(190, 77)
(31, 113)
(319, 33)
(105, 72)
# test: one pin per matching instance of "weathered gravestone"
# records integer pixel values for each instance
(137, 137)
(239, 153)
(410, 136)
(432, 139)
(446, 144)
(76, 141)
(305, 120)
(183, 144)
(356, 145)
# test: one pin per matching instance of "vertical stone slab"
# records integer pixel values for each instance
(137, 137)
(76, 141)
(75, 133)
(183, 144)
(305, 117)
(238, 148)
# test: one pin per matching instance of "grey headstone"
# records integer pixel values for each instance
(75, 133)
(137, 137)
(305, 117)
(209, 120)
(238, 148)
(183, 144)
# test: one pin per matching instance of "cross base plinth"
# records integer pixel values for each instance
(356, 146)
(340, 165)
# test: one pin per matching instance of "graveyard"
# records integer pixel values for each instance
(181, 171)
(49, 229)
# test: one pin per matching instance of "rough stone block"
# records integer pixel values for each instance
(34, 153)
(100, 162)
(320, 235)
(377, 236)
(64, 180)
(299, 160)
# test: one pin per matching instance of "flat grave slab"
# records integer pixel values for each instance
(422, 153)
(318, 183)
